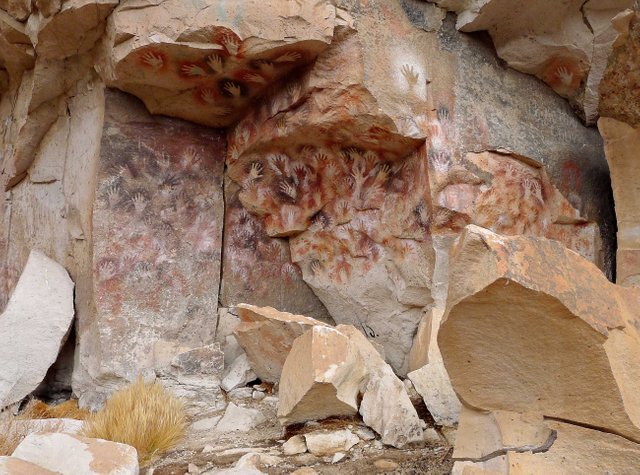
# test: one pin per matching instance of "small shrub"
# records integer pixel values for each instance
(145, 416)
(37, 409)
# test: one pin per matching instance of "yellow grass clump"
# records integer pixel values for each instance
(145, 416)
(37, 409)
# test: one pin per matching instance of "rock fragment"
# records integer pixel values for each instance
(327, 442)
(533, 327)
(65, 453)
(241, 419)
(321, 377)
(266, 335)
(33, 326)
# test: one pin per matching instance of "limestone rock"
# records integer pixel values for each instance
(266, 335)
(621, 142)
(328, 442)
(208, 62)
(66, 453)
(430, 379)
(619, 96)
(194, 375)
(238, 374)
(155, 176)
(321, 377)
(295, 445)
(587, 326)
(16, 466)
(33, 326)
(567, 45)
(237, 418)
(385, 406)
(508, 443)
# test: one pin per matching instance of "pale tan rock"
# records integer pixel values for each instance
(621, 142)
(511, 443)
(385, 464)
(295, 445)
(16, 466)
(239, 419)
(586, 325)
(430, 377)
(327, 442)
(66, 453)
(267, 335)
(34, 326)
(207, 62)
(321, 377)
(567, 45)
(238, 374)
(385, 406)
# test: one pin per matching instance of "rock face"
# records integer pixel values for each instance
(157, 221)
(621, 146)
(587, 327)
(362, 137)
(34, 326)
(207, 62)
(566, 46)
(321, 377)
(16, 466)
(64, 453)
(267, 336)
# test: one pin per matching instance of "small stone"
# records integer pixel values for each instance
(207, 448)
(239, 419)
(241, 393)
(205, 424)
(193, 468)
(324, 442)
(385, 464)
(364, 433)
(431, 435)
(238, 374)
(258, 395)
(338, 456)
(377, 444)
(295, 445)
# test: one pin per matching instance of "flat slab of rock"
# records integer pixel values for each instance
(34, 326)
(16, 466)
(70, 454)
(329, 442)
(321, 377)
(267, 335)
(241, 419)
(533, 327)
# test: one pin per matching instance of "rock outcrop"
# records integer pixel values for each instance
(34, 326)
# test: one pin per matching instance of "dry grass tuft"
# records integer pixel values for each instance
(10, 436)
(37, 409)
(145, 416)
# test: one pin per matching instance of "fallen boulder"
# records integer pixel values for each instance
(65, 453)
(266, 335)
(321, 377)
(34, 326)
(533, 327)
(385, 406)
